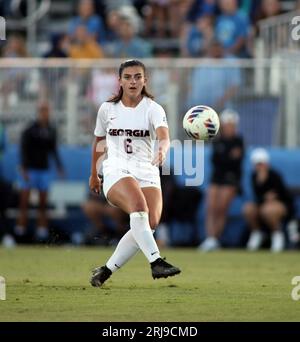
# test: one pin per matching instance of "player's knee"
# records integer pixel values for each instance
(250, 210)
(267, 211)
(154, 222)
(140, 205)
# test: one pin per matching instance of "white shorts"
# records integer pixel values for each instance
(113, 175)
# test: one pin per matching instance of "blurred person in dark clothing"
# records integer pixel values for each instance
(181, 204)
(38, 142)
(227, 157)
(272, 206)
(58, 47)
(109, 223)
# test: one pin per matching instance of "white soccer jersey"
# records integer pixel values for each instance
(130, 132)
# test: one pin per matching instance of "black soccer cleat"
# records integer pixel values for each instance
(161, 269)
(100, 275)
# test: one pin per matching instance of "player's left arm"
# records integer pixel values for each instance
(163, 138)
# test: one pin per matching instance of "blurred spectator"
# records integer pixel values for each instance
(267, 9)
(129, 45)
(109, 223)
(13, 82)
(38, 142)
(297, 5)
(194, 10)
(272, 206)
(199, 36)
(232, 29)
(227, 157)
(198, 8)
(112, 25)
(86, 17)
(161, 19)
(178, 224)
(15, 47)
(103, 84)
(84, 46)
(213, 84)
(131, 14)
(58, 47)
(114, 20)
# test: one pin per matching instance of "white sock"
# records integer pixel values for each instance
(141, 231)
(125, 250)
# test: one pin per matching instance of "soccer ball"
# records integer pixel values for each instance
(201, 123)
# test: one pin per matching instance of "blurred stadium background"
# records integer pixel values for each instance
(263, 75)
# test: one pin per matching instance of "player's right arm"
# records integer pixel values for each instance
(98, 148)
(98, 153)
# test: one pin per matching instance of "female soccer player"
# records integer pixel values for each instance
(131, 122)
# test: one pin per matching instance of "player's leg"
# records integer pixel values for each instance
(119, 218)
(211, 209)
(21, 224)
(226, 195)
(211, 242)
(95, 209)
(273, 213)
(27, 182)
(42, 232)
(251, 214)
(127, 246)
(153, 198)
(160, 268)
(43, 185)
(128, 196)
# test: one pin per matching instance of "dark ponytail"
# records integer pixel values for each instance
(131, 62)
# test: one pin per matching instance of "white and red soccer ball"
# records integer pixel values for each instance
(201, 123)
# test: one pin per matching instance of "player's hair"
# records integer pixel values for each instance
(129, 63)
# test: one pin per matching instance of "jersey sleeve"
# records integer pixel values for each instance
(100, 129)
(158, 116)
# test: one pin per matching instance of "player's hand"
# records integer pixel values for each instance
(270, 196)
(159, 158)
(95, 184)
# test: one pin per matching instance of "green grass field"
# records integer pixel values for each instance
(52, 284)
